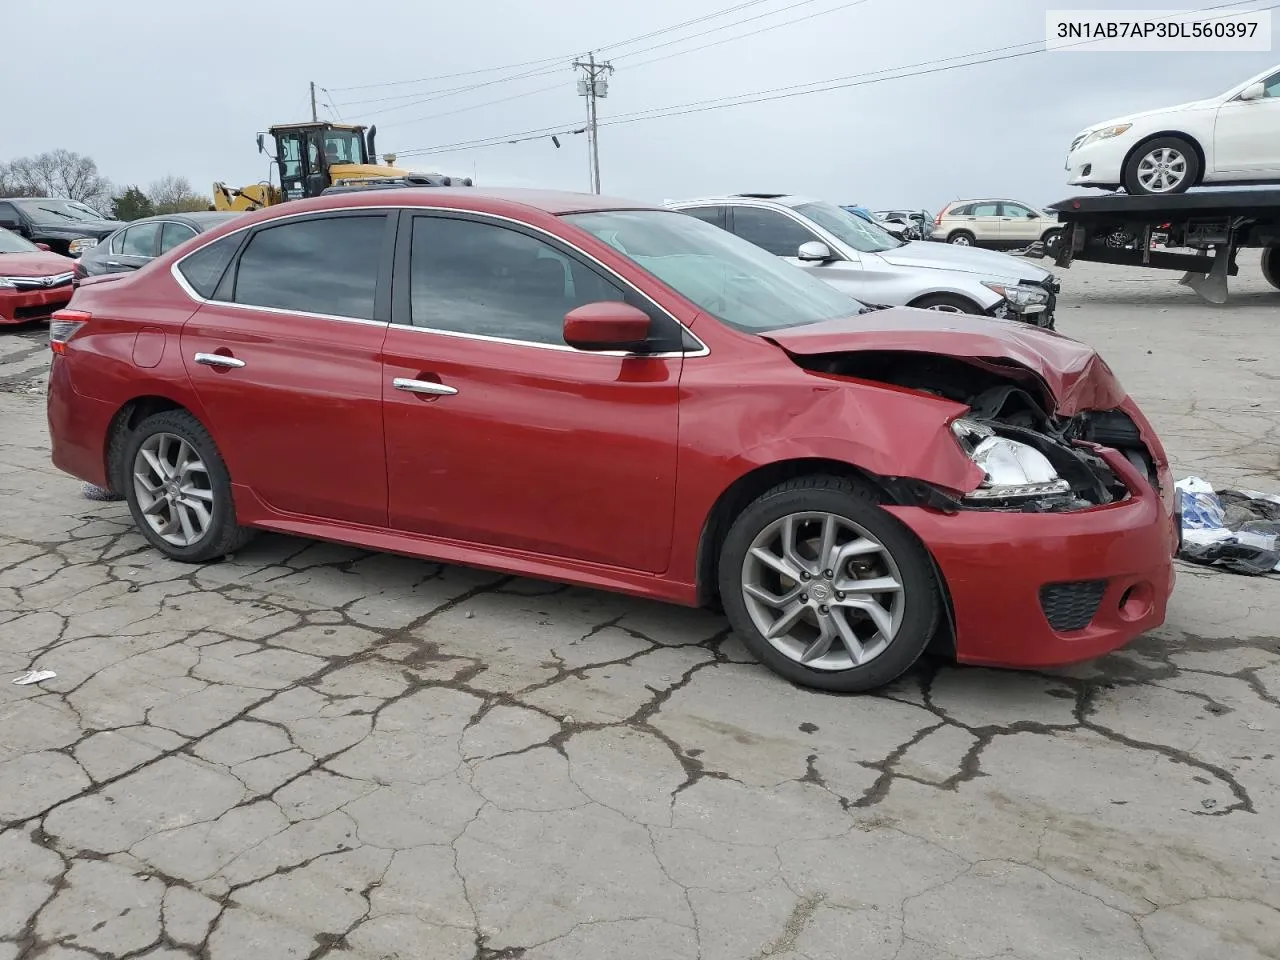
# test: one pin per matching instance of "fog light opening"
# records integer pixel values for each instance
(1137, 601)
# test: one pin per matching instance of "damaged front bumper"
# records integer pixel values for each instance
(1046, 589)
(1040, 314)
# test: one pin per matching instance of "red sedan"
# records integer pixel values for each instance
(33, 282)
(604, 393)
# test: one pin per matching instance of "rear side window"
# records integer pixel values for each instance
(985, 210)
(712, 215)
(964, 210)
(174, 234)
(141, 241)
(326, 266)
(204, 268)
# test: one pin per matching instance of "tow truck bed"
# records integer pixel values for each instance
(1117, 228)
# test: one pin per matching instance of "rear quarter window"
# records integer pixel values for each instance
(203, 269)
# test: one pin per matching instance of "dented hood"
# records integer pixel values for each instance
(1070, 372)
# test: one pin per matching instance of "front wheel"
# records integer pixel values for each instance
(826, 588)
(1271, 265)
(1165, 166)
(946, 303)
(178, 489)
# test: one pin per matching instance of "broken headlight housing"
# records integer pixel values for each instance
(1020, 296)
(1014, 471)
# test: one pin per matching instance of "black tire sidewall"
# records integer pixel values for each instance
(1130, 172)
(951, 238)
(923, 599)
(223, 523)
(1271, 265)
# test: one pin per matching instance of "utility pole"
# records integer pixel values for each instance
(314, 115)
(593, 87)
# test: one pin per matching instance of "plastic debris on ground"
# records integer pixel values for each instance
(34, 676)
(91, 491)
(1236, 529)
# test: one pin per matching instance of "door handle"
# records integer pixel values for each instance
(217, 360)
(114, 263)
(423, 386)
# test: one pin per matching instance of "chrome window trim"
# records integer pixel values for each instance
(701, 351)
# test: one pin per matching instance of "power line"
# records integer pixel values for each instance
(451, 76)
(475, 106)
(726, 26)
(924, 68)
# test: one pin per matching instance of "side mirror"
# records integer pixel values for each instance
(1033, 216)
(261, 148)
(814, 251)
(44, 246)
(606, 325)
(1255, 91)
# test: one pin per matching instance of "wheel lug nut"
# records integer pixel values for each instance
(823, 609)
(828, 574)
(804, 575)
(839, 596)
(804, 598)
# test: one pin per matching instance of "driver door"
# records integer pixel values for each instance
(782, 236)
(1246, 136)
(1019, 225)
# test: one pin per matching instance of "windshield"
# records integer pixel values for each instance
(58, 211)
(725, 275)
(10, 242)
(343, 146)
(862, 235)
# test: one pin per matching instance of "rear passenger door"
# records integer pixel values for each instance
(285, 353)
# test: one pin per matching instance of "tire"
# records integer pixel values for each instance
(1271, 265)
(1051, 240)
(946, 303)
(962, 238)
(1177, 155)
(168, 434)
(892, 553)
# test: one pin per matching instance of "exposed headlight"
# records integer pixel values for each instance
(1106, 133)
(1025, 298)
(1014, 471)
(81, 245)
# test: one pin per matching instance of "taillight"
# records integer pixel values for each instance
(64, 325)
(937, 221)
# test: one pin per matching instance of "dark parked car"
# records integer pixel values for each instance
(68, 227)
(141, 241)
(587, 389)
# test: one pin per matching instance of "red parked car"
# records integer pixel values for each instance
(33, 282)
(609, 394)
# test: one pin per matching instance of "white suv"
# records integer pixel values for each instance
(1231, 138)
(868, 264)
(998, 224)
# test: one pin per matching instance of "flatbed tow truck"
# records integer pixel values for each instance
(1214, 224)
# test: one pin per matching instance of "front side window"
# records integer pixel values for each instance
(770, 230)
(141, 241)
(466, 276)
(728, 277)
(1271, 86)
(863, 235)
(10, 242)
(1018, 210)
(325, 266)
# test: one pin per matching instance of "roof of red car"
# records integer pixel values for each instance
(554, 202)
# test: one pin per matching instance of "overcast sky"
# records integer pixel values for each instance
(152, 87)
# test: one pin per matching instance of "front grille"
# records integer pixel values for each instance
(40, 312)
(1071, 606)
(42, 283)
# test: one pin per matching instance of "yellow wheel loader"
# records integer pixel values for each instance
(311, 158)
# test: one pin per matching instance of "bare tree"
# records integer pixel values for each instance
(58, 173)
(174, 195)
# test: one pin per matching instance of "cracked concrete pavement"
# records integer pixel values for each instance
(311, 751)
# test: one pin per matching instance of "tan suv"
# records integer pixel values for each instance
(998, 224)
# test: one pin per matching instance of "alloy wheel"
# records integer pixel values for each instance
(1162, 170)
(173, 489)
(823, 591)
(961, 241)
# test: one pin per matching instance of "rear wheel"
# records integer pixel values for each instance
(1166, 165)
(1271, 265)
(962, 238)
(1051, 240)
(946, 303)
(826, 588)
(178, 489)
